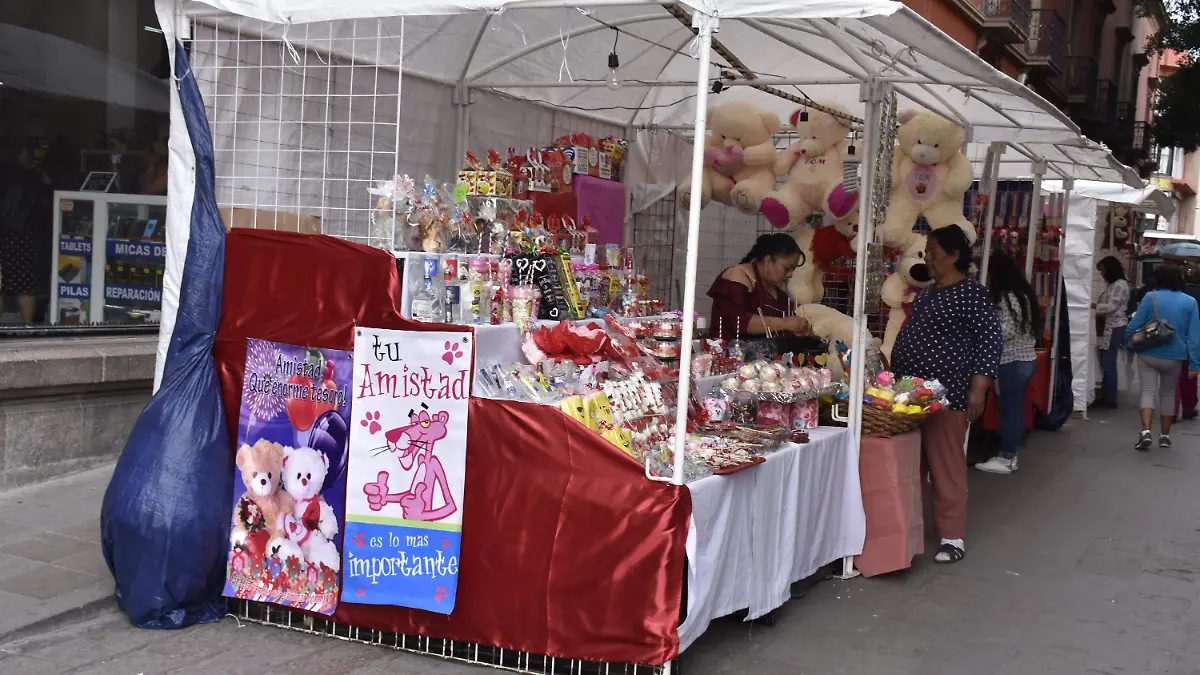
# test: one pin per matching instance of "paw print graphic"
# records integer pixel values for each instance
(453, 351)
(361, 592)
(445, 543)
(359, 540)
(371, 422)
(441, 594)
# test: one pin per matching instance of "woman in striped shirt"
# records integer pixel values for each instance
(1020, 319)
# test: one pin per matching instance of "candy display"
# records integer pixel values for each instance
(910, 396)
(772, 380)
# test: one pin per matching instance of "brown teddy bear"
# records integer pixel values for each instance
(258, 516)
(813, 166)
(748, 157)
(929, 177)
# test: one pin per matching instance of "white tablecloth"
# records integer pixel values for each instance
(756, 532)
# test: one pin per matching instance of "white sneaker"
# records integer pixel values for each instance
(1145, 440)
(1001, 465)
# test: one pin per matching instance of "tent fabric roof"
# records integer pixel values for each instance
(556, 53)
(305, 11)
(1122, 194)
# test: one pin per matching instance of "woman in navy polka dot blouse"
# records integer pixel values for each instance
(953, 335)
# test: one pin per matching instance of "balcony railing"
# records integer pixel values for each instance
(1142, 141)
(1017, 13)
(1105, 107)
(1081, 78)
(1048, 38)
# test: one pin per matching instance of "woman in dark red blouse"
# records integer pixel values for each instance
(758, 283)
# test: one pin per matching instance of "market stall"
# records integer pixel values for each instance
(1089, 203)
(552, 464)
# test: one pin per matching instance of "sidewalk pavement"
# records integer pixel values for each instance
(1085, 562)
(51, 568)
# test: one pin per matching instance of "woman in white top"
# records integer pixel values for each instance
(1020, 321)
(1112, 306)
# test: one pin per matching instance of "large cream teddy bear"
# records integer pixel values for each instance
(929, 177)
(813, 166)
(749, 154)
(900, 289)
(832, 325)
(715, 180)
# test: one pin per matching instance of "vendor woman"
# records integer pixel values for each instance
(953, 335)
(750, 299)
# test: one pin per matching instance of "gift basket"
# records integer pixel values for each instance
(896, 406)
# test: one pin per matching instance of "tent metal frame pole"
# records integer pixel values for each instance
(761, 26)
(638, 84)
(872, 93)
(1068, 185)
(706, 26)
(1035, 215)
(845, 46)
(993, 172)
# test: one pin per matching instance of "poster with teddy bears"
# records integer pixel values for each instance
(286, 535)
(408, 458)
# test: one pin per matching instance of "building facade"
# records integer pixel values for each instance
(1090, 59)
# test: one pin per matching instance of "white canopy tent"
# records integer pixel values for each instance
(551, 53)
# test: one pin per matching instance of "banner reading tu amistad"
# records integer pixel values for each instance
(408, 443)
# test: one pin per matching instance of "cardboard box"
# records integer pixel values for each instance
(262, 219)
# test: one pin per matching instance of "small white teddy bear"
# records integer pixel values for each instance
(304, 472)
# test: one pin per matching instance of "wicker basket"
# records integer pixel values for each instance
(876, 422)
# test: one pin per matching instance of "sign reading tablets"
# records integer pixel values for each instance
(408, 447)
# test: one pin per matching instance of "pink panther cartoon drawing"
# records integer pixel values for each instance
(415, 444)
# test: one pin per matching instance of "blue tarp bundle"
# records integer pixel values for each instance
(165, 520)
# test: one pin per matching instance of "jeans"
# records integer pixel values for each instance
(1010, 403)
(1108, 366)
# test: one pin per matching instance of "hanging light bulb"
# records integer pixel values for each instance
(612, 81)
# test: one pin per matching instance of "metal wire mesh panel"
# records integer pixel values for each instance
(467, 652)
(299, 134)
(307, 118)
(654, 243)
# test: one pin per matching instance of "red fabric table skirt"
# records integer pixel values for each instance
(890, 472)
(567, 549)
(1037, 396)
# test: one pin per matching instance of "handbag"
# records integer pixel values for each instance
(1155, 333)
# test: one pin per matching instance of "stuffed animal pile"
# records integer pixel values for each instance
(930, 175)
(282, 512)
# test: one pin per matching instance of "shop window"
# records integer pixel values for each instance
(83, 165)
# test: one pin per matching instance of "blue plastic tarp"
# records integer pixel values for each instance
(165, 519)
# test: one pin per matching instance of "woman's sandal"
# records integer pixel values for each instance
(955, 554)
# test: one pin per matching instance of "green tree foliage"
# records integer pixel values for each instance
(1177, 112)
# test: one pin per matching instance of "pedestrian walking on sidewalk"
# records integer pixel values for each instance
(953, 335)
(1175, 313)
(1020, 319)
(1112, 307)
(1187, 385)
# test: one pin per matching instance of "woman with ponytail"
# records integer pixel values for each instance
(750, 298)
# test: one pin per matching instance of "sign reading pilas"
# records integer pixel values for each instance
(404, 484)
